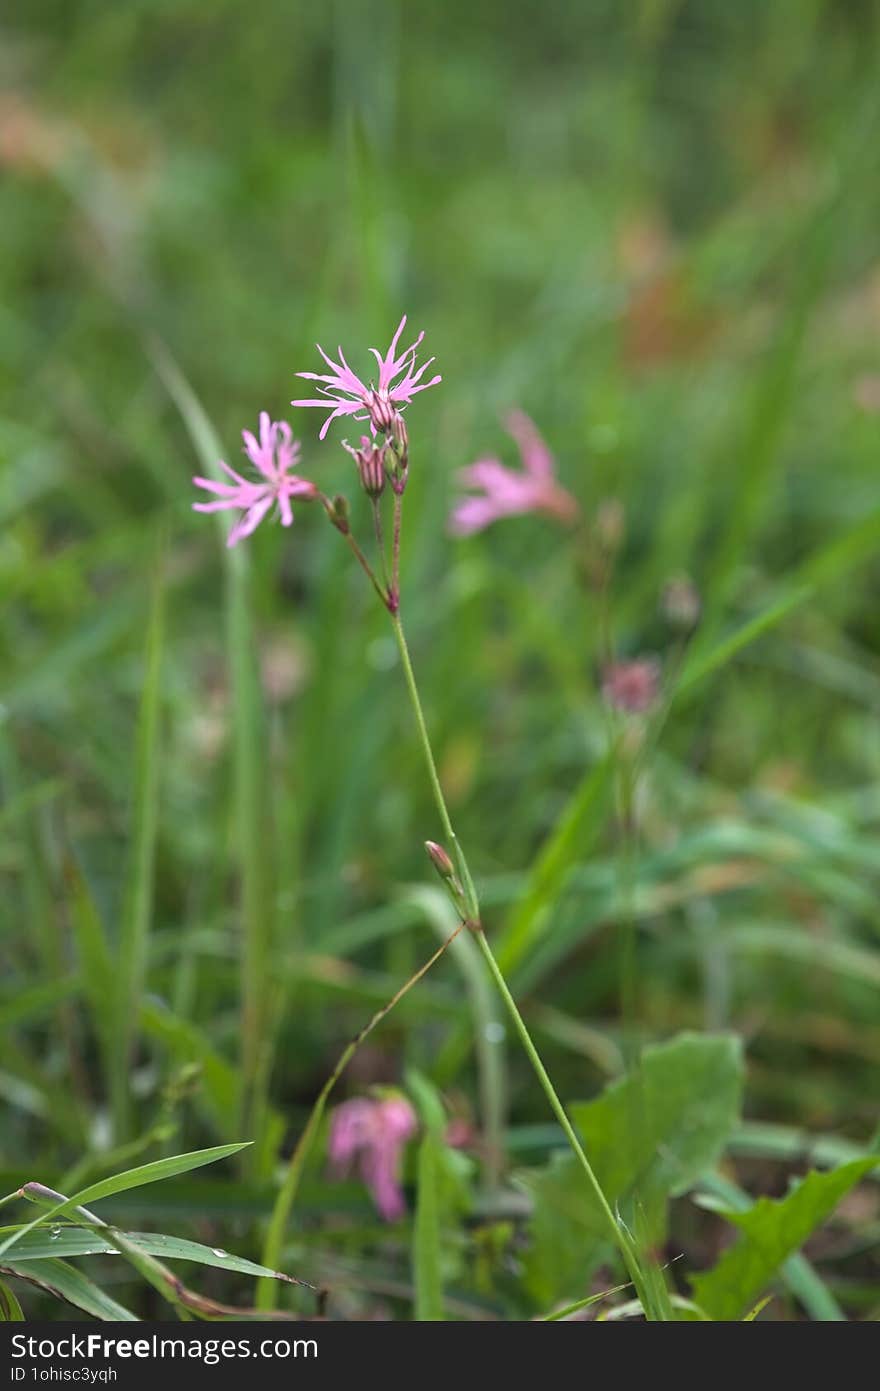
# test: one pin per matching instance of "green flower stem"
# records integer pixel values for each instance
(616, 1230)
(620, 1236)
(473, 906)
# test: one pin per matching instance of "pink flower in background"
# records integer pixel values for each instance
(345, 394)
(632, 686)
(506, 492)
(274, 456)
(372, 1133)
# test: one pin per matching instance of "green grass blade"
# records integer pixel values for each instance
(64, 1281)
(81, 1241)
(10, 1309)
(427, 1255)
(99, 980)
(568, 843)
(133, 1178)
(253, 839)
(137, 911)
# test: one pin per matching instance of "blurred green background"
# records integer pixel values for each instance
(651, 225)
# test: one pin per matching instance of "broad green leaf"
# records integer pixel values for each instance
(772, 1229)
(796, 1272)
(427, 1256)
(658, 1128)
(648, 1136)
(132, 1178)
(66, 1282)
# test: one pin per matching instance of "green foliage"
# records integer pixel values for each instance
(66, 1283)
(648, 1136)
(120, 1183)
(653, 227)
(771, 1230)
(427, 1255)
(10, 1309)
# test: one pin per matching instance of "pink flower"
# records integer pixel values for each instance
(373, 1132)
(506, 492)
(632, 686)
(273, 457)
(347, 394)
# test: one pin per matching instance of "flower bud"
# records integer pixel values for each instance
(440, 860)
(400, 437)
(370, 460)
(338, 513)
(397, 453)
(381, 410)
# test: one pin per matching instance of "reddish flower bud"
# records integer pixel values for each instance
(397, 455)
(370, 460)
(382, 411)
(440, 860)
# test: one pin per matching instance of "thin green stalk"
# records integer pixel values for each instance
(395, 550)
(620, 1237)
(617, 1231)
(272, 1247)
(380, 541)
(439, 800)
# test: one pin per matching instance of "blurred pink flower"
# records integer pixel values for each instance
(632, 686)
(273, 456)
(373, 1132)
(507, 492)
(347, 394)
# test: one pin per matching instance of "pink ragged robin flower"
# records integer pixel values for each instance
(343, 393)
(505, 492)
(371, 1133)
(274, 456)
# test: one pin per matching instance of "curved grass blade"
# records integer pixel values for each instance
(80, 1241)
(10, 1309)
(123, 1004)
(65, 1282)
(119, 1183)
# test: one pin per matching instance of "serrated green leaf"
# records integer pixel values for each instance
(772, 1229)
(648, 1136)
